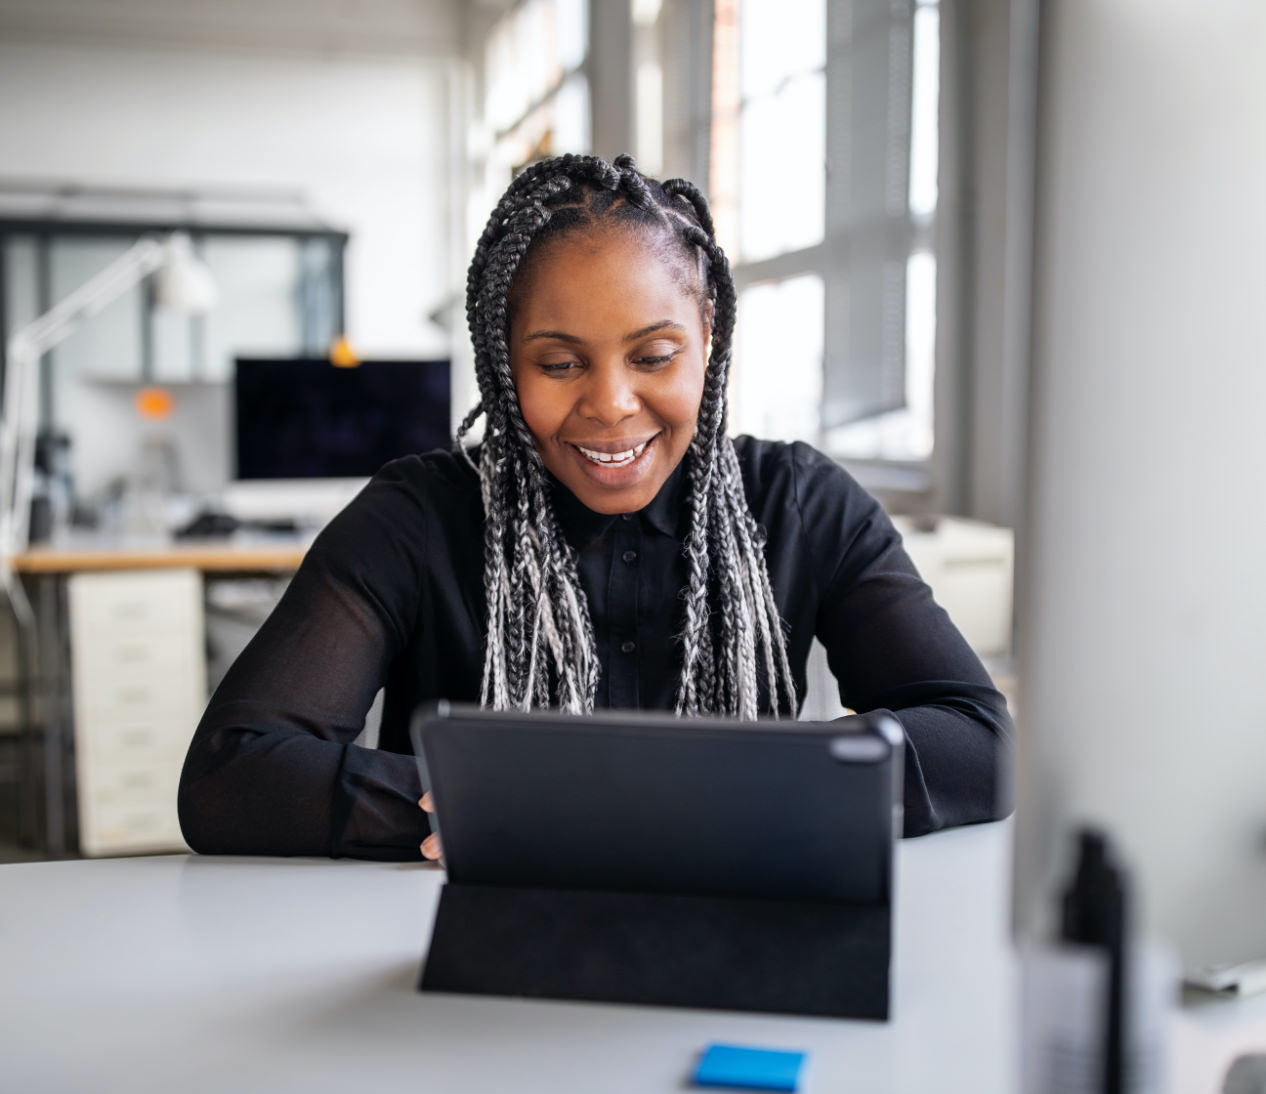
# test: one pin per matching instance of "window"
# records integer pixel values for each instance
(536, 96)
(648, 86)
(824, 161)
(279, 290)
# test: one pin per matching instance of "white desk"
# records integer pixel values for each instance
(213, 974)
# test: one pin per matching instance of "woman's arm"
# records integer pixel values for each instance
(271, 768)
(891, 647)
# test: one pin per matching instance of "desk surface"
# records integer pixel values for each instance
(214, 974)
(234, 553)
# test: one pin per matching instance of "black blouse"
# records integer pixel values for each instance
(391, 595)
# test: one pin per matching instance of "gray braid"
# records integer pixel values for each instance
(540, 645)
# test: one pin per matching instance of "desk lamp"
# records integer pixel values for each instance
(182, 282)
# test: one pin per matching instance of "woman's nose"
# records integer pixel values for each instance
(609, 395)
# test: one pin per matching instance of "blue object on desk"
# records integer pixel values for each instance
(750, 1068)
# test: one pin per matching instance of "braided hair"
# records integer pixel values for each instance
(540, 643)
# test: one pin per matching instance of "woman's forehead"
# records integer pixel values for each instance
(605, 257)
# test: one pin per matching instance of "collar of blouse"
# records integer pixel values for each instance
(666, 513)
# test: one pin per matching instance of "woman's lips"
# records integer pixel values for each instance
(613, 466)
(613, 459)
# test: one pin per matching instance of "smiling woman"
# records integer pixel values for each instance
(608, 544)
(611, 400)
(592, 277)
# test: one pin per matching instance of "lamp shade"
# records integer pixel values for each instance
(183, 282)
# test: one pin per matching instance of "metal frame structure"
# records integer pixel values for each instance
(20, 380)
(44, 229)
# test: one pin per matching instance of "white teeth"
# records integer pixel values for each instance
(614, 459)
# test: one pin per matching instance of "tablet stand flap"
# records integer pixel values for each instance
(662, 949)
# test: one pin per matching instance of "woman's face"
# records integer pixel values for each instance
(608, 349)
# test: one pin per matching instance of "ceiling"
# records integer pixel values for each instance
(424, 28)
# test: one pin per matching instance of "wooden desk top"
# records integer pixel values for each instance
(270, 554)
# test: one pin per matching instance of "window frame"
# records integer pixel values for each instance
(911, 484)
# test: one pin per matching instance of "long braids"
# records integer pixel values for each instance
(540, 643)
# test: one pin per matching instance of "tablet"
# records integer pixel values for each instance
(643, 801)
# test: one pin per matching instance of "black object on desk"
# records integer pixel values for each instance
(210, 524)
(642, 858)
(1094, 913)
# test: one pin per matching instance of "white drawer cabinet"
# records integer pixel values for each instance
(969, 566)
(139, 688)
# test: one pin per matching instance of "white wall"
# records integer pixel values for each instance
(413, 28)
(367, 138)
(1142, 636)
(360, 122)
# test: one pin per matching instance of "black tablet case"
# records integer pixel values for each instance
(637, 858)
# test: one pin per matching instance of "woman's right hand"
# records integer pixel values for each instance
(431, 845)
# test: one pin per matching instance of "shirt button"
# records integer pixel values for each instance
(629, 556)
(628, 647)
(626, 516)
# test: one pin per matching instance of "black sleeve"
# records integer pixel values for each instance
(271, 768)
(892, 647)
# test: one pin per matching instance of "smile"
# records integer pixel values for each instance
(612, 459)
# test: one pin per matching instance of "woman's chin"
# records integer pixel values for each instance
(610, 488)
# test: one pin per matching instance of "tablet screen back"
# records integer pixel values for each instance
(644, 801)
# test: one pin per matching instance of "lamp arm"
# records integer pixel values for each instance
(21, 405)
(56, 324)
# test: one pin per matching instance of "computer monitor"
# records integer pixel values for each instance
(307, 433)
(304, 418)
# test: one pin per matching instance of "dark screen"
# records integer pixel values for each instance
(301, 418)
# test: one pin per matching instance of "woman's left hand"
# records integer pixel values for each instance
(431, 845)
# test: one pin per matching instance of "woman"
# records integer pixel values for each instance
(606, 546)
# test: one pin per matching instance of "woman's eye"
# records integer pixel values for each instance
(651, 360)
(557, 367)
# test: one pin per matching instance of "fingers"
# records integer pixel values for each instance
(431, 845)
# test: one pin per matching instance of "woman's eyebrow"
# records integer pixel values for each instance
(663, 324)
(563, 336)
(560, 335)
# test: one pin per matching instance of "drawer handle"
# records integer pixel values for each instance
(138, 780)
(978, 562)
(138, 609)
(134, 653)
(134, 695)
(141, 822)
(136, 738)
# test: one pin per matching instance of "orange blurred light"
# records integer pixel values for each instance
(341, 353)
(154, 403)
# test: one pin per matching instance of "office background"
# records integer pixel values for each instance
(872, 167)
(871, 319)
(399, 123)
